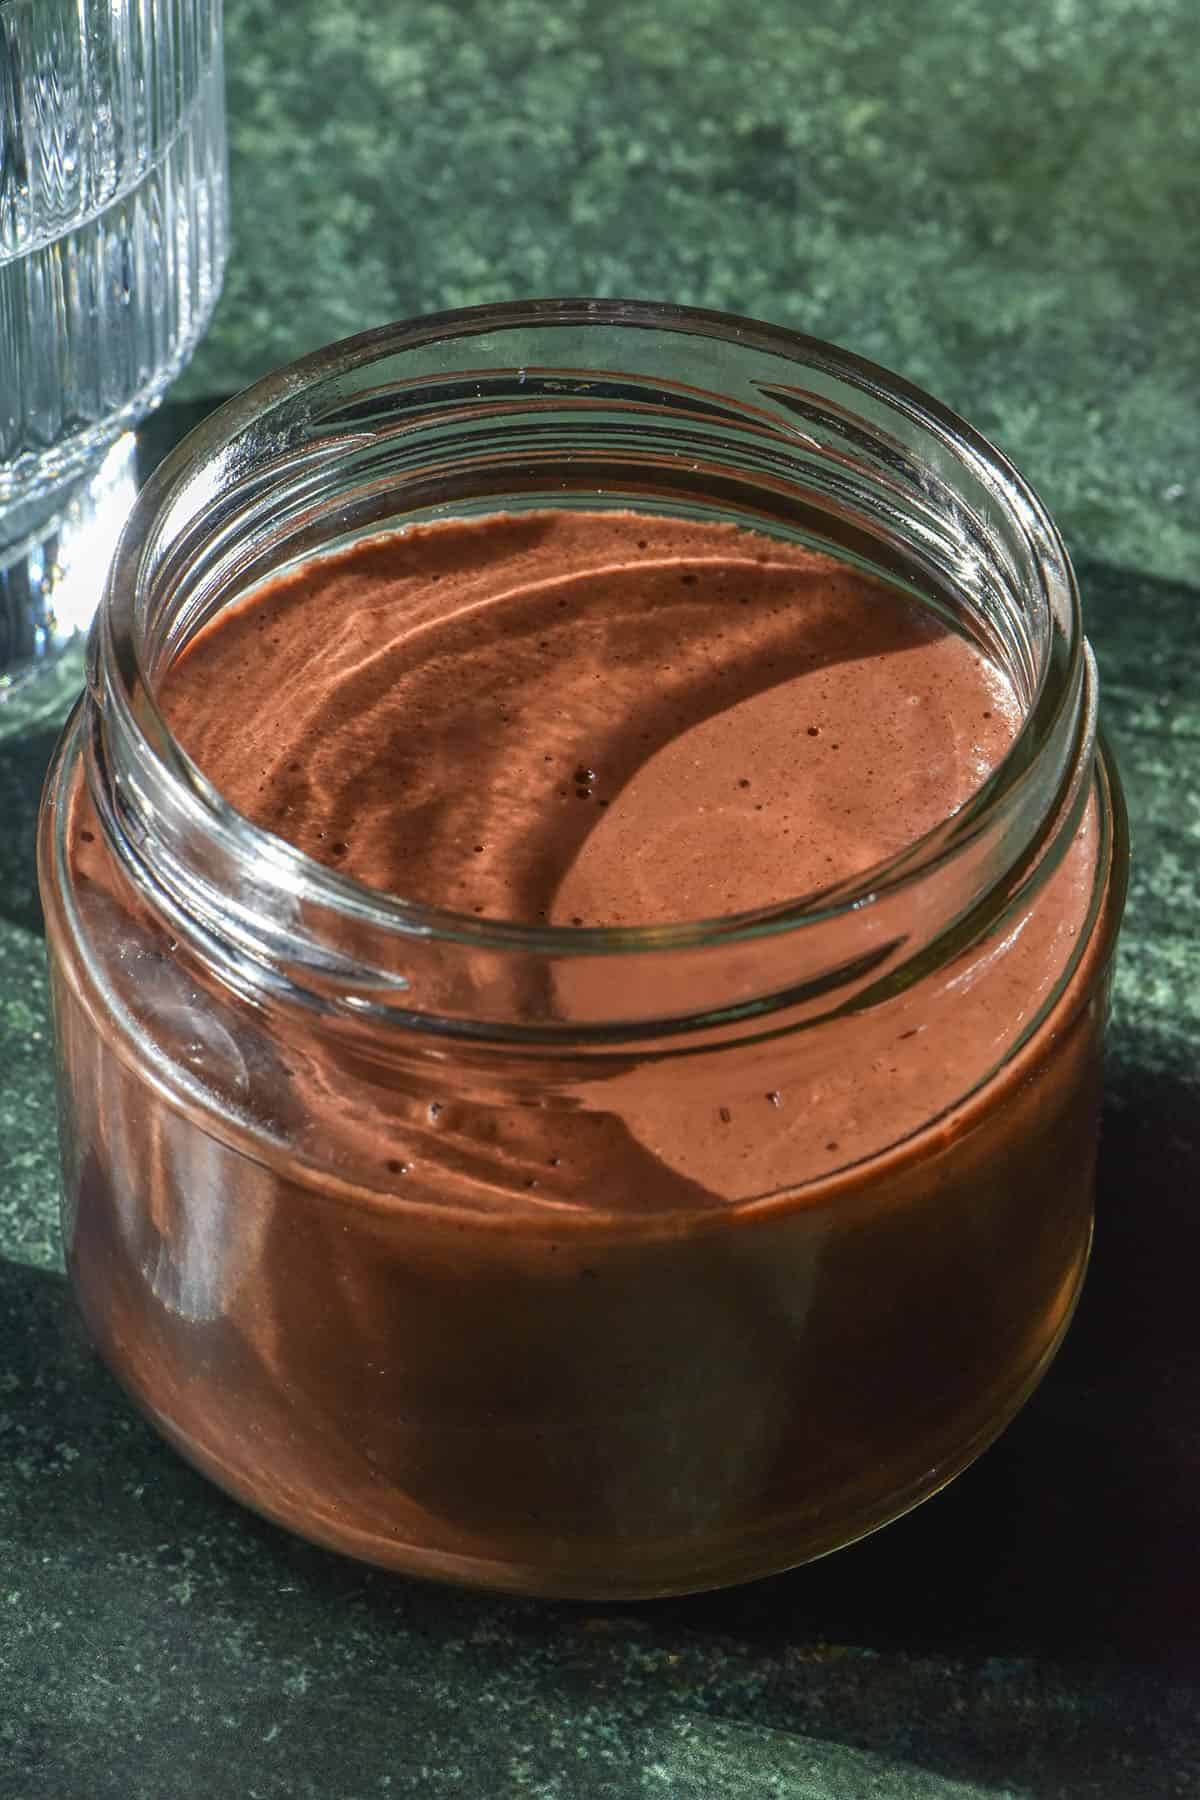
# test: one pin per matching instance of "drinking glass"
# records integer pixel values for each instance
(112, 248)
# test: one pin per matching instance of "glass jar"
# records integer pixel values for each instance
(572, 1369)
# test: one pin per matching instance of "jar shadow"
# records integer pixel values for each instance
(24, 759)
(1070, 1536)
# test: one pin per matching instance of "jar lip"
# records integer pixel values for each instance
(127, 686)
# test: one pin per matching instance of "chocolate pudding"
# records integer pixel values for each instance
(607, 1321)
(589, 718)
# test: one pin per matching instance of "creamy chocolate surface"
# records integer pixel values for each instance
(589, 718)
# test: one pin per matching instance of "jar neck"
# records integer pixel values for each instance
(584, 403)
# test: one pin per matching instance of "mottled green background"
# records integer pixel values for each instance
(999, 199)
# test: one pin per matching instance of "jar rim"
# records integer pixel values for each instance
(120, 678)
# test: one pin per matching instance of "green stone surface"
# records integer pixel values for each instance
(999, 200)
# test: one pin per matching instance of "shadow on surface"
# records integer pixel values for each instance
(1075, 1534)
(24, 759)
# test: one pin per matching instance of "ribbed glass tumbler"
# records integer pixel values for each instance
(112, 248)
